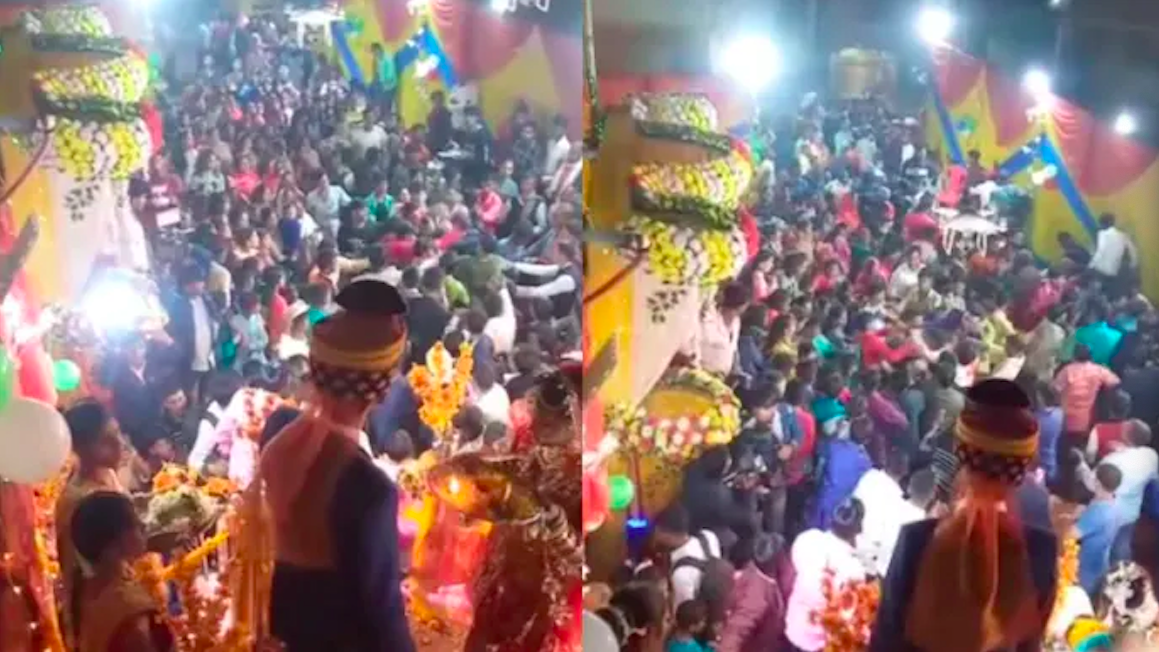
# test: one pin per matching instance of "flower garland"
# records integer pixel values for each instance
(90, 150)
(683, 438)
(121, 80)
(441, 387)
(720, 143)
(848, 614)
(76, 20)
(45, 497)
(711, 189)
(691, 110)
(681, 254)
(1068, 572)
(79, 43)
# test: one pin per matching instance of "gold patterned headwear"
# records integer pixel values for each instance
(997, 434)
(355, 351)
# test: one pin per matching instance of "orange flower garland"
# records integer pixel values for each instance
(440, 387)
(1068, 572)
(849, 612)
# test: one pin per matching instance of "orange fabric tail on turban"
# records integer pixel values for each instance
(974, 591)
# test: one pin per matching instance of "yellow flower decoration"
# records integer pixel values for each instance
(441, 389)
(683, 438)
(688, 109)
(681, 255)
(124, 79)
(77, 154)
(77, 20)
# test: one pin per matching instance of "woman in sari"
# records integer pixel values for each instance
(97, 443)
(116, 612)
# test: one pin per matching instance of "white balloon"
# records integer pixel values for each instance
(34, 441)
(598, 636)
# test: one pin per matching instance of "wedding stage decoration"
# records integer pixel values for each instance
(444, 551)
(77, 117)
(496, 555)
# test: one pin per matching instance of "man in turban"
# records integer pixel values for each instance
(336, 581)
(977, 579)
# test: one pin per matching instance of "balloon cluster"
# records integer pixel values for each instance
(34, 439)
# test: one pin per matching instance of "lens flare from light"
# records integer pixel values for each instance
(935, 24)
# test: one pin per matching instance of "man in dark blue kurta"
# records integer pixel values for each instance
(336, 583)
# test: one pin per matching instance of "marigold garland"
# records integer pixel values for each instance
(1068, 573)
(440, 387)
(849, 612)
(46, 496)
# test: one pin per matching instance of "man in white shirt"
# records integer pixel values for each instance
(490, 397)
(326, 202)
(906, 275)
(1113, 248)
(568, 172)
(557, 148)
(501, 328)
(563, 283)
(816, 553)
(1139, 464)
(887, 509)
(714, 344)
(365, 135)
(687, 553)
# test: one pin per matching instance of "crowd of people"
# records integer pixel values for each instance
(939, 419)
(281, 191)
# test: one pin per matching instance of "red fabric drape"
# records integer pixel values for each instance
(1101, 161)
(955, 74)
(1008, 106)
(479, 41)
(394, 19)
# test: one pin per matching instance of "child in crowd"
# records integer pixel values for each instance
(691, 621)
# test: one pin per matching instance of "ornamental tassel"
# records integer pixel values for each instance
(252, 566)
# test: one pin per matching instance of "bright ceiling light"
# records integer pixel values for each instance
(935, 24)
(752, 61)
(1125, 124)
(501, 6)
(1037, 83)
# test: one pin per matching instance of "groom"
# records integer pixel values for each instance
(336, 584)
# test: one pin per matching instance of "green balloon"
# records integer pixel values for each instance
(7, 378)
(65, 375)
(355, 25)
(620, 492)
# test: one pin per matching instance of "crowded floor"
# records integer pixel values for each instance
(946, 441)
(318, 267)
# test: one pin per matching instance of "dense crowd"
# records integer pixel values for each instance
(871, 354)
(280, 184)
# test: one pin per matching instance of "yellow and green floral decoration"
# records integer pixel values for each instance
(75, 116)
(662, 193)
